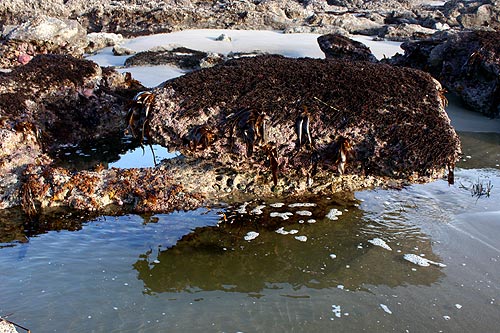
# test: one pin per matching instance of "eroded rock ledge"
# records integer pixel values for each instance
(392, 118)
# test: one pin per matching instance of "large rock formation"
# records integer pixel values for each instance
(390, 127)
(250, 127)
(466, 63)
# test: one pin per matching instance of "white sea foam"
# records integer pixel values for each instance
(417, 260)
(282, 231)
(303, 213)
(385, 308)
(284, 216)
(242, 209)
(333, 214)
(381, 243)
(302, 204)
(337, 311)
(251, 235)
(277, 205)
(301, 238)
(258, 210)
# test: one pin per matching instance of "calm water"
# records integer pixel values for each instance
(195, 272)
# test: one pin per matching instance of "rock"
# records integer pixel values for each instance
(181, 57)
(224, 38)
(406, 31)
(51, 30)
(350, 107)
(476, 15)
(336, 46)
(99, 40)
(51, 101)
(466, 63)
(138, 18)
(120, 51)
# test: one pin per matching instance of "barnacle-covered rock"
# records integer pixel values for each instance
(393, 117)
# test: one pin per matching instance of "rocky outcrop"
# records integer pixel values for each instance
(51, 101)
(250, 127)
(336, 46)
(466, 63)
(396, 20)
(477, 15)
(388, 126)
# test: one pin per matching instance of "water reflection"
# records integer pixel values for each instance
(335, 253)
(480, 150)
(116, 152)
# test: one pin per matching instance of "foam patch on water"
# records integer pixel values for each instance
(302, 204)
(258, 210)
(385, 308)
(301, 238)
(284, 216)
(277, 205)
(251, 235)
(303, 213)
(242, 209)
(282, 231)
(337, 311)
(380, 242)
(423, 262)
(333, 214)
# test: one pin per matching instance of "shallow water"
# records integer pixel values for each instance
(265, 266)
(194, 271)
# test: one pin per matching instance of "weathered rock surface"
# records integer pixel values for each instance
(178, 56)
(336, 46)
(466, 63)
(477, 15)
(390, 126)
(390, 19)
(55, 100)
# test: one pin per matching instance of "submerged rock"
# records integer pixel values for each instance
(466, 63)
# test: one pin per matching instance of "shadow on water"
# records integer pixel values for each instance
(334, 253)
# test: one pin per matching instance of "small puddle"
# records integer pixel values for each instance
(122, 153)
